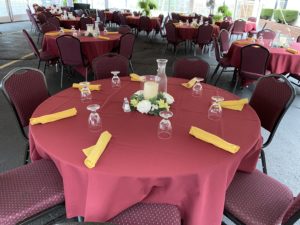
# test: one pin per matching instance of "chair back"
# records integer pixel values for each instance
(48, 14)
(70, 50)
(78, 12)
(225, 25)
(175, 16)
(41, 17)
(171, 32)
(239, 26)
(126, 45)
(104, 64)
(115, 17)
(31, 43)
(84, 21)
(267, 34)
(145, 24)
(47, 27)
(189, 68)
(254, 59)
(25, 88)
(161, 18)
(124, 29)
(29, 14)
(101, 26)
(217, 49)
(122, 19)
(271, 98)
(205, 33)
(101, 15)
(292, 215)
(298, 39)
(252, 19)
(224, 39)
(53, 20)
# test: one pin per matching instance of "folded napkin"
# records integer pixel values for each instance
(191, 83)
(112, 32)
(243, 42)
(104, 38)
(92, 87)
(213, 139)
(234, 104)
(94, 152)
(293, 51)
(136, 77)
(53, 117)
(52, 33)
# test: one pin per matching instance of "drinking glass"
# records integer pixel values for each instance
(85, 92)
(94, 120)
(217, 99)
(165, 127)
(215, 111)
(197, 88)
(115, 80)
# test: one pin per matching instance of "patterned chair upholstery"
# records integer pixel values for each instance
(25, 192)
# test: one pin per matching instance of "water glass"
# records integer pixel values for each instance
(197, 88)
(165, 127)
(217, 99)
(115, 81)
(94, 120)
(85, 92)
(215, 111)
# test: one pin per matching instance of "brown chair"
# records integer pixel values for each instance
(224, 39)
(255, 198)
(126, 47)
(189, 68)
(204, 37)
(238, 28)
(271, 98)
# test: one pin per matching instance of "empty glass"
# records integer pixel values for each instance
(197, 88)
(85, 92)
(94, 120)
(115, 80)
(165, 127)
(217, 99)
(215, 111)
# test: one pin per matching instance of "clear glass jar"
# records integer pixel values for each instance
(161, 73)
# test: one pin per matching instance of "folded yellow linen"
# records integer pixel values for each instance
(213, 139)
(92, 87)
(104, 38)
(234, 104)
(191, 83)
(52, 33)
(94, 152)
(112, 32)
(291, 50)
(53, 117)
(243, 42)
(136, 77)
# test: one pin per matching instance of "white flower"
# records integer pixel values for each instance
(154, 107)
(144, 106)
(169, 98)
(139, 92)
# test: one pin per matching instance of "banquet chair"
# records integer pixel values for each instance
(104, 64)
(30, 17)
(116, 18)
(101, 15)
(47, 27)
(41, 18)
(145, 25)
(161, 23)
(238, 28)
(24, 88)
(189, 68)
(101, 26)
(252, 19)
(26, 195)
(71, 55)
(224, 40)
(256, 198)
(122, 19)
(254, 61)
(43, 56)
(84, 21)
(225, 25)
(204, 37)
(126, 47)
(175, 17)
(267, 34)
(124, 29)
(271, 98)
(53, 20)
(172, 36)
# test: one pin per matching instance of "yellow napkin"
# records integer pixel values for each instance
(104, 38)
(112, 32)
(243, 42)
(67, 30)
(52, 33)
(92, 87)
(234, 104)
(191, 83)
(291, 50)
(213, 139)
(94, 152)
(136, 77)
(53, 117)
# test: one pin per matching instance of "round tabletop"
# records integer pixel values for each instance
(137, 165)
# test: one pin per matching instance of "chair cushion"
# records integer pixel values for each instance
(257, 199)
(28, 190)
(150, 214)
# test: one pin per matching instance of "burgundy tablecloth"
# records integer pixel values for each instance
(186, 17)
(187, 32)
(250, 26)
(280, 60)
(135, 21)
(68, 23)
(137, 166)
(91, 47)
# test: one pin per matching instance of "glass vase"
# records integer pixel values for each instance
(161, 73)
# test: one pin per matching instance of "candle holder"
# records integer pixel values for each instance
(150, 86)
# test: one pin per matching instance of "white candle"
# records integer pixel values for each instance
(150, 89)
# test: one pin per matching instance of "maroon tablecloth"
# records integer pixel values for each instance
(91, 47)
(137, 166)
(280, 60)
(135, 21)
(184, 17)
(187, 32)
(250, 26)
(67, 23)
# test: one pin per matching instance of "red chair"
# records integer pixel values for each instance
(124, 29)
(252, 19)
(122, 19)
(104, 64)
(267, 34)
(41, 18)
(126, 47)
(101, 26)
(145, 25)
(254, 61)
(172, 36)
(71, 55)
(84, 21)
(225, 25)
(53, 20)
(26, 195)
(189, 68)
(224, 39)
(238, 28)
(30, 17)
(116, 18)
(271, 98)
(101, 15)
(255, 198)
(204, 36)
(43, 56)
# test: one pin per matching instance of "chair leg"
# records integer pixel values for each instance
(236, 83)
(131, 67)
(215, 72)
(61, 75)
(39, 64)
(195, 50)
(80, 219)
(39, 37)
(219, 76)
(263, 161)
(45, 67)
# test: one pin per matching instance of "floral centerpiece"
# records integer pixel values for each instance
(151, 106)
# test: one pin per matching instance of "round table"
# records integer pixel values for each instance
(185, 17)
(91, 46)
(187, 32)
(134, 21)
(68, 23)
(280, 60)
(109, 15)
(137, 166)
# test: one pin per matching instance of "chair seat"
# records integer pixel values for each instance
(150, 214)
(257, 199)
(225, 62)
(28, 190)
(47, 56)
